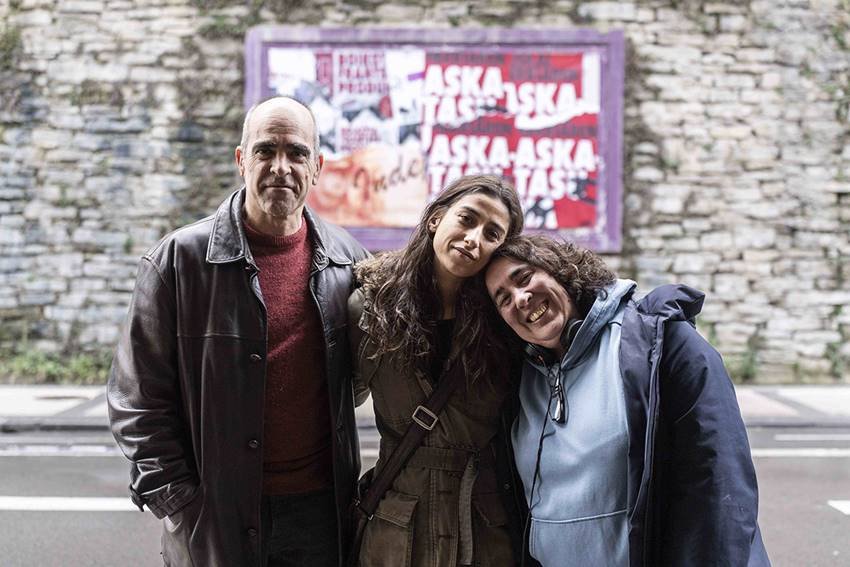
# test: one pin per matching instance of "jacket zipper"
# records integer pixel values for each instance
(650, 425)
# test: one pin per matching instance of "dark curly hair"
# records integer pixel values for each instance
(582, 273)
(403, 302)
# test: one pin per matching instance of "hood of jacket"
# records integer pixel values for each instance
(674, 302)
(603, 310)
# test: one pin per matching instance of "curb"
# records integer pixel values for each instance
(810, 423)
(32, 424)
(42, 423)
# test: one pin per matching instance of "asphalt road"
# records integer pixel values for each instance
(799, 525)
(800, 472)
(62, 467)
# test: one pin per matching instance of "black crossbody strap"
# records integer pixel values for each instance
(425, 417)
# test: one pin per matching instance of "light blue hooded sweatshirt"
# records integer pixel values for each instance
(579, 506)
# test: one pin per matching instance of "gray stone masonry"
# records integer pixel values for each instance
(118, 120)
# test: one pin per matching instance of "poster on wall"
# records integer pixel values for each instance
(400, 118)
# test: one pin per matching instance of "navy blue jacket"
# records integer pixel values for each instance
(693, 496)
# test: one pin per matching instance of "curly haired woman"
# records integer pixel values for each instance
(629, 441)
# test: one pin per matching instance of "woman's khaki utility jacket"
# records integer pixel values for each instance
(445, 507)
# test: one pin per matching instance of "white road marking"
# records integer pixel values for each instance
(66, 504)
(842, 506)
(59, 451)
(812, 437)
(802, 452)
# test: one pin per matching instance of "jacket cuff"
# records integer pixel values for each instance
(137, 499)
(167, 500)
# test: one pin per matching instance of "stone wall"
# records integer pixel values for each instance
(118, 120)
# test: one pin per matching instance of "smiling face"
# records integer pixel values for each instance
(466, 235)
(279, 164)
(530, 301)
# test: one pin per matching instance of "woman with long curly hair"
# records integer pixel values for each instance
(416, 315)
(629, 442)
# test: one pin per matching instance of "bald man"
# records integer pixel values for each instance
(230, 390)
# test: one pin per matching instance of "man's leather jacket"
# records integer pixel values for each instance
(188, 378)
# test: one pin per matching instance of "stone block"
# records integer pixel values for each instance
(35, 298)
(11, 236)
(772, 80)
(738, 132)
(668, 229)
(617, 11)
(809, 350)
(734, 333)
(730, 284)
(648, 173)
(399, 13)
(99, 269)
(9, 217)
(86, 284)
(780, 373)
(722, 8)
(100, 238)
(654, 264)
(716, 241)
(750, 236)
(74, 300)
(62, 265)
(104, 334)
(152, 75)
(681, 244)
(694, 263)
(61, 313)
(81, 7)
(734, 81)
(33, 18)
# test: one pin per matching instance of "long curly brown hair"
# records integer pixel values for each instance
(403, 302)
(582, 273)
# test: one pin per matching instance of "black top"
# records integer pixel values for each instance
(442, 347)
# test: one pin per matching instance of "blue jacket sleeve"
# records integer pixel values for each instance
(711, 487)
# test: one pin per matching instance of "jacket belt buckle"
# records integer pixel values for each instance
(425, 418)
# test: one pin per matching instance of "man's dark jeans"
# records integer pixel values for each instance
(299, 530)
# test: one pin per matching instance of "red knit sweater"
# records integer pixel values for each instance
(297, 427)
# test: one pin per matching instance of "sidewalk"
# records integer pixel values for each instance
(77, 408)
(57, 408)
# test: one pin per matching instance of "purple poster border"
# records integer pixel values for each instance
(607, 236)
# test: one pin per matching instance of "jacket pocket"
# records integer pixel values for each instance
(388, 538)
(493, 547)
(177, 531)
(594, 540)
(491, 509)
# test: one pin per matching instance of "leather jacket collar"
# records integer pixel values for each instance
(228, 242)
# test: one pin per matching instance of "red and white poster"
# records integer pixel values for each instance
(397, 124)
